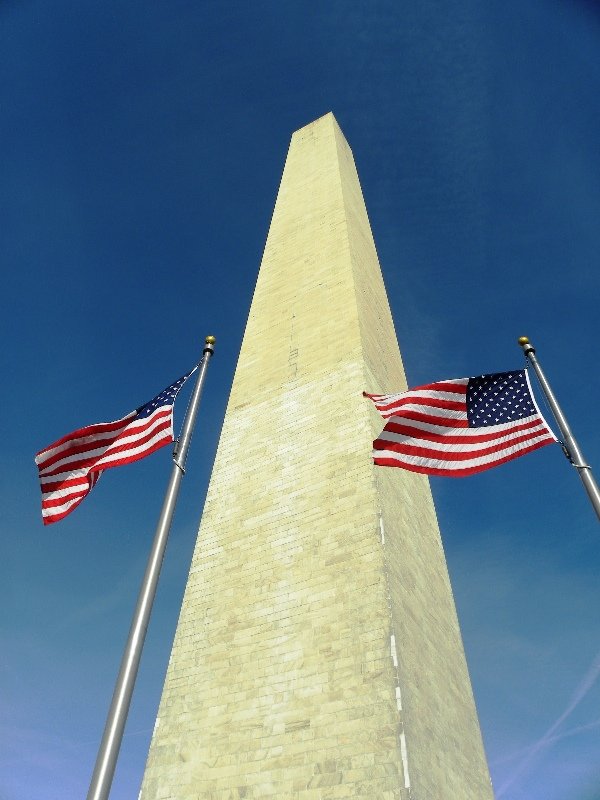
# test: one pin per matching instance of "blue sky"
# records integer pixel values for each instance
(142, 147)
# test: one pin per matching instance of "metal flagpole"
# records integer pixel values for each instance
(106, 760)
(570, 446)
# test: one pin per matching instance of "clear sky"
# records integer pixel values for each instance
(141, 150)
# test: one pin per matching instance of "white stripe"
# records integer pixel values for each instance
(84, 486)
(440, 463)
(50, 512)
(90, 436)
(444, 429)
(139, 423)
(442, 413)
(507, 435)
(76, 458)
(425, 394)
(106, 462)
(397, 409)
(131, 434)
(423, 390)
(60, 476)
(119, 439)
(70, 490)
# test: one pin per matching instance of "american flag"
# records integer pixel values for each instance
(462, 426)
(70, 468)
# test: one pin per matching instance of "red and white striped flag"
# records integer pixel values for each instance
(70, 468)
(462, 426)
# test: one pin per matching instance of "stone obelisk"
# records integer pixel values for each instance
(318, 653)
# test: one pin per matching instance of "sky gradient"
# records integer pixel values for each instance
(142, 147)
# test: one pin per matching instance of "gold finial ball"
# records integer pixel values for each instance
(210, 340)
(523, 340)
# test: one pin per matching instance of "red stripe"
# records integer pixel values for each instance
(89, 430)
(130, 459)
(73, 464)
(49, 519)
(447, 422)
(94, 444)
(444, 455)
(441, 438)
(68, 456)
(157, 422)
(53, 486)
(81, 447)
(52, 502)
(442, 386)
(435, 402)
(137, 442)
(457, 473)
(439, 386)
(432, 402)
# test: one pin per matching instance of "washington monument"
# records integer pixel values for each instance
(318, 652)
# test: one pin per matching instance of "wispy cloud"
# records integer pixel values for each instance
(550, 736)
(524, 751)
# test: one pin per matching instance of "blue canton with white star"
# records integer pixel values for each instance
(165, 398)
(499, 398)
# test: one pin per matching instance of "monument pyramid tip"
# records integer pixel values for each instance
(328, 116)
(325, 120)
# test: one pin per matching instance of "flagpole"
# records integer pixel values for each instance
(570, 446)
(108, 752)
